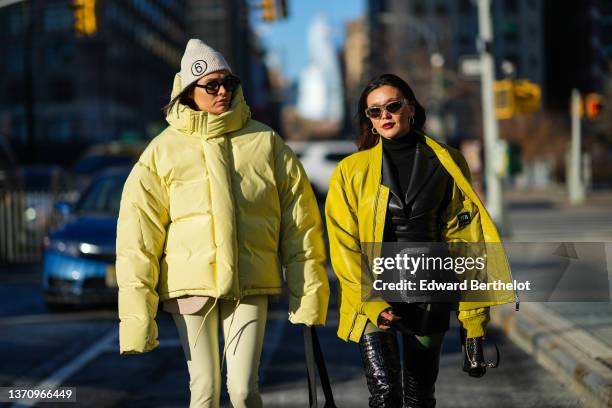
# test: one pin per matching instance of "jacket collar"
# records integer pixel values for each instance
(422, 170)
(389, 179)
(204, 124)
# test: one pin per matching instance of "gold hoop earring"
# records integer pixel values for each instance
(374, 131)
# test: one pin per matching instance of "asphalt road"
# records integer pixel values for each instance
(79, 348)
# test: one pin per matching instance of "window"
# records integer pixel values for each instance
(16, 23)
(59, 54)
(59, 130)
(14, 60)
(57, 19)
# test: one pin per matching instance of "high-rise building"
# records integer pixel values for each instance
(85, 71)
(558, 44)
(578, 48)
(424, 42)
(225, 26)
(355, 54)
(450, 28)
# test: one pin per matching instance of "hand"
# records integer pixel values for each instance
(473, 357)
(387, 317)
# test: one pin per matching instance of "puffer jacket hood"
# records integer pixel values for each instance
(206, 211)
(207, 125)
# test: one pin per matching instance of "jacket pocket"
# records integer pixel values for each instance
(464, 225)
(189, 199)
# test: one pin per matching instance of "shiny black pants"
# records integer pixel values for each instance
(399, 382)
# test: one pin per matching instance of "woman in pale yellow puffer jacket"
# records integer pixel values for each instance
(204, 214)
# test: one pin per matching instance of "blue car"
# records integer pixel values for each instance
(79, 256)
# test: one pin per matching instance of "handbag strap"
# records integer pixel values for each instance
(315, 362)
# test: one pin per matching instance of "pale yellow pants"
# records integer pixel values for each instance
(244, 342)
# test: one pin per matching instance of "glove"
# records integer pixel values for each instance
(473, 357)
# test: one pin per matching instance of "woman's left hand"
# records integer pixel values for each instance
(473, 357)
(386, 318)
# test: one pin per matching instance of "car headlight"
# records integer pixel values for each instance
(30, 214)
(86, 248)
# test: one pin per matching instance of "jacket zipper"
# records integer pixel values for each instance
(376, 208)
(374, 225)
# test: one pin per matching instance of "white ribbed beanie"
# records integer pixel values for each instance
(199, 60)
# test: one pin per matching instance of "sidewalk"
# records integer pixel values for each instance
(573, 340)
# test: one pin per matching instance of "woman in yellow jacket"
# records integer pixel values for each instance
(204, 214)
(402, 186)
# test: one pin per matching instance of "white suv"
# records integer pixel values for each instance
(320, 159)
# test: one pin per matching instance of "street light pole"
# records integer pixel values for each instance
(494, 193)
(575, 182)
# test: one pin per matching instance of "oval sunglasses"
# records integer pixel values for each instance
(230, 83)
(375, 112)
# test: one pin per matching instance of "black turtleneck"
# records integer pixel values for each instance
(401, 154)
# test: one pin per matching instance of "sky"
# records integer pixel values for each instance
(286, 40)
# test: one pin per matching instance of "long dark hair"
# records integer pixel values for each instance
(185, 97)
(366, 139)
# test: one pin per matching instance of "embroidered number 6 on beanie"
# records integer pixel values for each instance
(198, 67)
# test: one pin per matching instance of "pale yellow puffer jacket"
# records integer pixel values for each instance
(206, 211)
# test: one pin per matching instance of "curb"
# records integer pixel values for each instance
(576, 358)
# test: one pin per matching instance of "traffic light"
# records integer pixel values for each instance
(504, 99)
(593, 105)
(268, 8)
(85, 22)
(528, 96)
(516, 98)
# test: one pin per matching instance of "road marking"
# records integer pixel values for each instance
(59, 376)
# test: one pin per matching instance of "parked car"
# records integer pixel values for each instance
(79, 257)
(320, 159)
(42, 184)
(102, 156)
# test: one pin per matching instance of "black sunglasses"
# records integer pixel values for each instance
(230, 83)
(375, 112)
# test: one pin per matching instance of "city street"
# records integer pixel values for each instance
(79, 349)
(188, 138)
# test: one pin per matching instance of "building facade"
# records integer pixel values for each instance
(424, 41)
(578, 48)
(59, 84)
(225, 26)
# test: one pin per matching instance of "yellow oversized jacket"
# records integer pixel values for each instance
(355, 210)
(206, 211)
